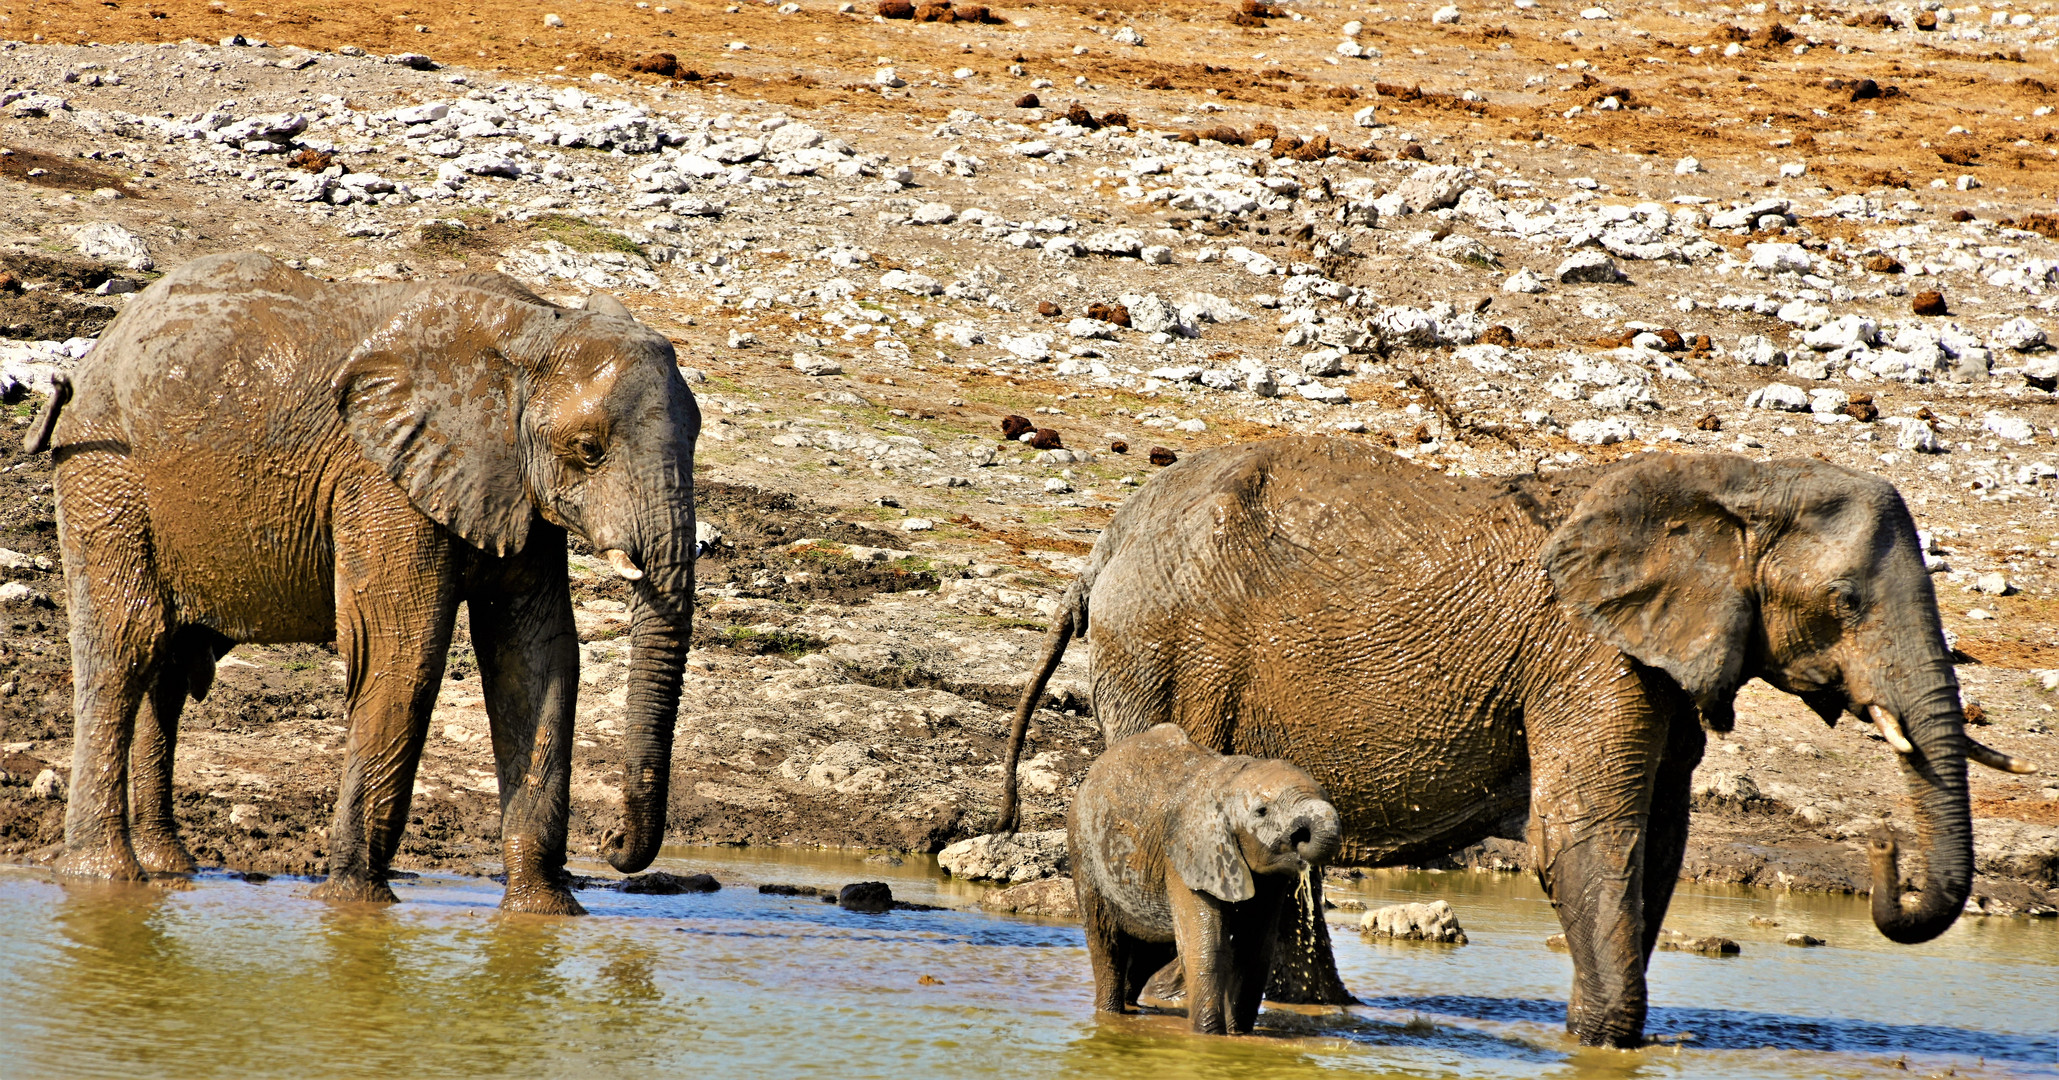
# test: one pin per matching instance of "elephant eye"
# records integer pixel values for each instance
(1844, 599)
(586, 451)
(1260, 811)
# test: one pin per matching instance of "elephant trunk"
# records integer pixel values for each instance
(1936, 772)
(1316, 834)
(661, 624)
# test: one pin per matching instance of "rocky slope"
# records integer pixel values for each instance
(1496, 240)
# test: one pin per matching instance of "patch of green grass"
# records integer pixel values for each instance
(749, 639)
(300, 665)
(580, 234)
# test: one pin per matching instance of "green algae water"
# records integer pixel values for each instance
(234, 979)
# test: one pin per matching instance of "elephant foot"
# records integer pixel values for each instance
(354, 890)
(110, 863)
(164, 854)
(540, 899)
(537, 881)
(1610, 1041)
(1616, 1032)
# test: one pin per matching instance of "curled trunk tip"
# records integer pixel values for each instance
(660, 625)
(1935, 910)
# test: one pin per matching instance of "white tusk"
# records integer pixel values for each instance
(1890, 729)
(623, 564)
(1997, 760)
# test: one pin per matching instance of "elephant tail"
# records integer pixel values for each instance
(1071, 620)
(38, 438)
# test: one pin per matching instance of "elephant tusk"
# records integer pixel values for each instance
(623, 564)
(1890, 729)
(1997, 760)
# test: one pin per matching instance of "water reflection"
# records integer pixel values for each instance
(229, 978)
(1733, 1029)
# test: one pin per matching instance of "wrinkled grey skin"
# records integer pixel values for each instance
(252, 455)
(1174, 846)
(1533, 658)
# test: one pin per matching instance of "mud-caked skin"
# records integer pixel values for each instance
(1179, 848)
(1532, 658)
(252, 455)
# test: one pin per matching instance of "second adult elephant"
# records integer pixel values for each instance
(1537, 658)
(253, 455)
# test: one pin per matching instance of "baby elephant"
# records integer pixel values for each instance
(1176, 846)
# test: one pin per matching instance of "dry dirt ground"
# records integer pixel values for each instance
(852, 691)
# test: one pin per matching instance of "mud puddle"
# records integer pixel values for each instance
(235, 977)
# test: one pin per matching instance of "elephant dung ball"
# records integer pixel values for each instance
(1117, 314)
(1119, 446)
(1046, 439)
(1027, 101)
(664, 63)
(1015, 427)
(1161, 456)
(1929, 302)
(867, 897)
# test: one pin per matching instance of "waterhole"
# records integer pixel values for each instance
(230, 978)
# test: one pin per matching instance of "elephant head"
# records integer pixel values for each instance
(1716, 569)
(490, 408)
(1252, 817)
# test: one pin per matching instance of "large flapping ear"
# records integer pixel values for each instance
(1654, 560)
(434, 401)
(1205, 853)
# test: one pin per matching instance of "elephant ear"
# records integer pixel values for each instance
(433, 400)
(606, 304)
(1654, 560)
(1205, 853)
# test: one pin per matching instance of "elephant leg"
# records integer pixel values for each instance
(119, 629)
(396, 602)
(1168, 982)
(1108, 950)
(1591, 797)
(528, 652)
(153, 830)
(1205, 955)
(1255, 926)
(1304, 965)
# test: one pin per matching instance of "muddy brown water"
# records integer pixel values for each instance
(231, 978)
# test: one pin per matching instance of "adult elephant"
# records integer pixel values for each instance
(252, 455)
(1452, 658)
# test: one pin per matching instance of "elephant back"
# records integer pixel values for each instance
(222, 341)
